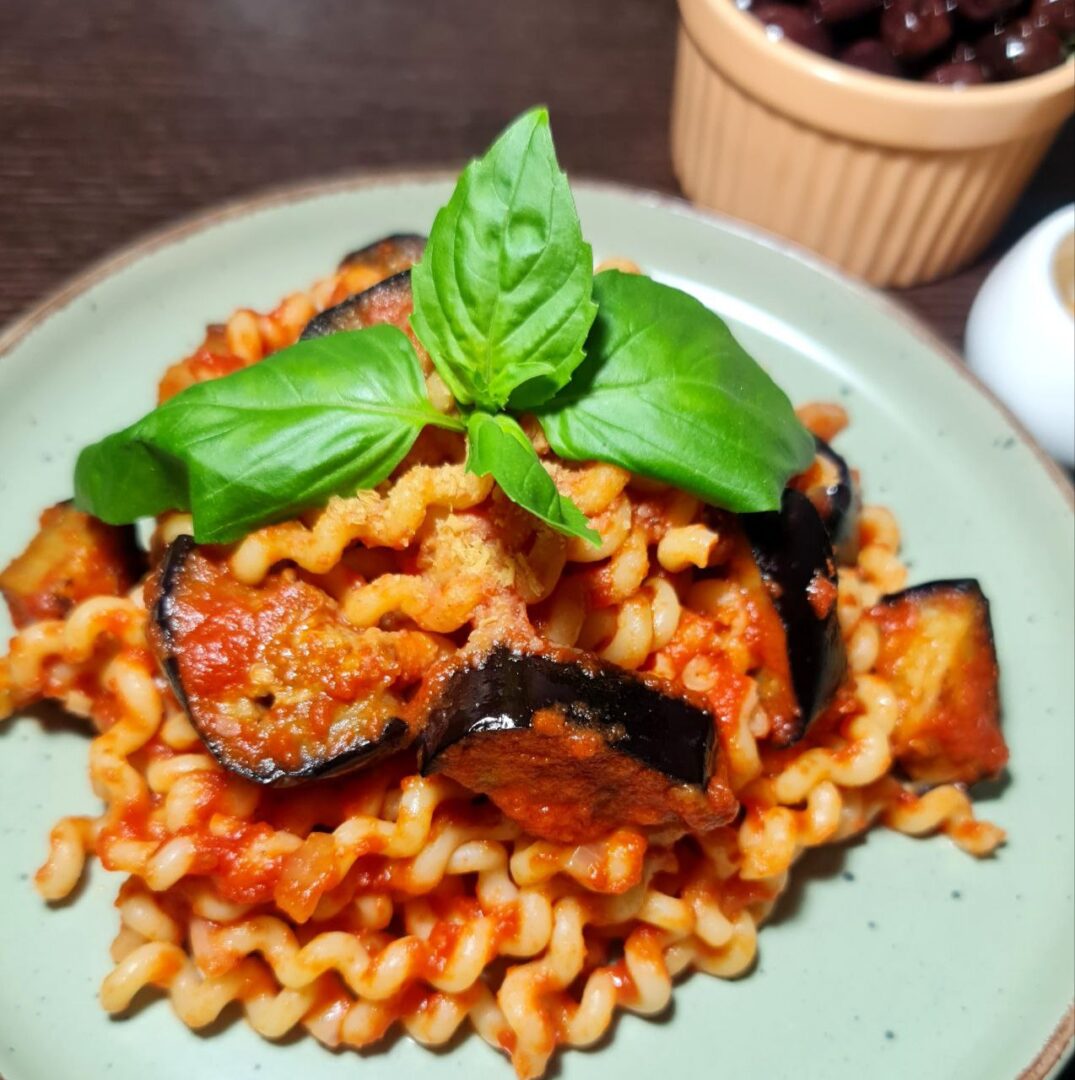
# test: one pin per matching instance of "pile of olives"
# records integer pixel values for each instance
(949, 42)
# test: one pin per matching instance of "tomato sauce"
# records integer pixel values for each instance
(937, 652)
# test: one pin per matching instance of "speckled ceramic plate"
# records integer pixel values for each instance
(890, 957)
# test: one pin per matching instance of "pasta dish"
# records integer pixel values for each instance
(422, 753)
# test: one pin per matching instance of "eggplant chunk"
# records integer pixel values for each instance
(277, 684)
(937, 653)
(829, 484)
(795, 559)
(386, 257)
(389, 301)
(572, 748)
(73, 557)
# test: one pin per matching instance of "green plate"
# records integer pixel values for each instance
(890, 957)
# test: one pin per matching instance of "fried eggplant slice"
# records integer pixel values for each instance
(937, 653)
(830, 485)
(277, 684)
(73, 557)
(795, 560)
(386, 257)
(572, 748)
(389, 301)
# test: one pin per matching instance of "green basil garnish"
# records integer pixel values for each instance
(504, 302)
(666, 391)
(497, 445)
(322, 417)
(502, 293)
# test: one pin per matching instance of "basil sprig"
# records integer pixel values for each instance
(504, 303)
(502, 293)
(666, 391)
(497, 445)
(322, 417)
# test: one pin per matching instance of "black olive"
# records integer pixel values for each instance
(1019, 49)
(968, 73)
(870, 54)
(913, 29)
(837, 11)
(1057, 15)
(795, 24)
(980, 10)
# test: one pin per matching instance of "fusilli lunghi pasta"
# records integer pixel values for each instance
(390, 898)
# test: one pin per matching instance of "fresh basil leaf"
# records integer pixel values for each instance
(502, 294)
(497, 445)
(667, 392)
(324, 417)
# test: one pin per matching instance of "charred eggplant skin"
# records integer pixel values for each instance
(841, 505)
(830, 485)
(967, 587)
(379, 279)
(164, 636)
(393, 737)
(795, 557)
(394, 253)
(163, 612)
(507, 689)
(571, 748)
(948, 729)
(389, 301)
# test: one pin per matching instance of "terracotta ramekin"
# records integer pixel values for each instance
(896, 182)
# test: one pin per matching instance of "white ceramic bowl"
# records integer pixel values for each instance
(1021, 336)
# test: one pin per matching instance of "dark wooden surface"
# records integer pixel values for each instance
(118, 116)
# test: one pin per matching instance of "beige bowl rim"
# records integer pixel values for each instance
(859, 105)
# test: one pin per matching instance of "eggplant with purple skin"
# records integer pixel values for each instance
(388, 256)
(829, 484)
(794, 558)
(936, 652)
(573, 748)
(279, 686)
(72, 557)
(389, 301)
(380, 277)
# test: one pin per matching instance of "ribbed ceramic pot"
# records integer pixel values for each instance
(896, 182)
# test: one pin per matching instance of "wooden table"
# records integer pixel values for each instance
(118, 116)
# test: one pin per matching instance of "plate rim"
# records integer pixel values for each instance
(1062, 1037)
